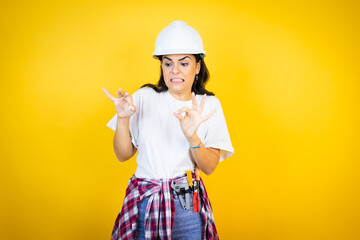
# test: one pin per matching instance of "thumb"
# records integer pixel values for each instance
(132, 108)
(178, 116)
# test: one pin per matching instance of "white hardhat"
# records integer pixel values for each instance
(178, 38)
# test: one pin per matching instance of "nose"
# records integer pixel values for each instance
(175, 69)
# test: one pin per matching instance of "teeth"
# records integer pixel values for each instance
(176, 80)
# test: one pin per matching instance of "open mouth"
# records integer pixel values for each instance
(177, 80)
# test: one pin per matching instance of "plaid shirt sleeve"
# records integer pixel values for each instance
(159, 216)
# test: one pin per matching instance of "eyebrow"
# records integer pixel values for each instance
(179, 59)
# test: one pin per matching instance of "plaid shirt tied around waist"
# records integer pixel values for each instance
(160, 210)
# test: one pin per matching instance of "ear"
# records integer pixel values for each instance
(198, 66)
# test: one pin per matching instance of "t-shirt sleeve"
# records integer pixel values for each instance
(217, 135)
(133, 122)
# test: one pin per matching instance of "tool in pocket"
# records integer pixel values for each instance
(182, 189)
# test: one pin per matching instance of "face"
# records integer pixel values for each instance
(179, 72)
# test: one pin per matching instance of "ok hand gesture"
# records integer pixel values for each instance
(123, 103)
(192, 119)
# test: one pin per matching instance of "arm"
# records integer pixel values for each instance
(206, 158)
(123, 147)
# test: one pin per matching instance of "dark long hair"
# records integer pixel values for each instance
(198, 86)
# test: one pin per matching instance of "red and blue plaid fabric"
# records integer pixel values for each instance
(160, 211)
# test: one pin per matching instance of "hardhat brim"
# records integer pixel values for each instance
(180, 51)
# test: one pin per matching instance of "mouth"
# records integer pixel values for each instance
(177, 80)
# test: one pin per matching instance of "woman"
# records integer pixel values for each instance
(172, 134)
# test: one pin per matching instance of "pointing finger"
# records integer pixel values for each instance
(129, 99)
(184, 109)
(108, 94)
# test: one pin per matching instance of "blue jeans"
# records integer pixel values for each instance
(187, 224)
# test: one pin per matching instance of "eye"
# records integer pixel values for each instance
(184, 64)
(167, 64)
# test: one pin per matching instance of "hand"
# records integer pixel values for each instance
(123, 103)
(192, 119)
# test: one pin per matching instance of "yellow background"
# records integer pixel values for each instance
(287, 75)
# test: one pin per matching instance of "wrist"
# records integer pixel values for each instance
(124, 121)
(122, 118)
(194, 141)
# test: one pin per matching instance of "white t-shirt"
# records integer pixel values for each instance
(163, 151)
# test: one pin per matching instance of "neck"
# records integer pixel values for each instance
(181, 96)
